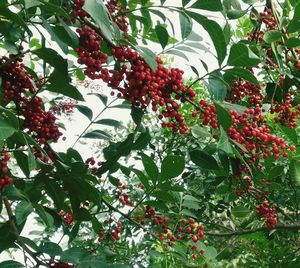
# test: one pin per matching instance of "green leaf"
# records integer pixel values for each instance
(11, 264)
(102, 97)
(177, 53)
(241, 55)
(217, 86)
(291, 134)
(272, 36)
(215, 32)
(240, 211)
(73, 255)
(53, 58)
(211, 5)
(85, 111)
(23, 162)
(44, 215)
(292, 42)
(172, 166)
(240, 73)
(185, 25)
(29, 242)
(92, 262)
(200, 132)
(148, 56)
(295, 171)
(150, 167)
(224, 118)
(51, 248)
(23, 209)
(98, 12)
(56, 193)
(224, 144)
(109, 122)
(204, 160)
(162, 35)
(97, 134)
(233, 14)
(275, 172)
(6, 130)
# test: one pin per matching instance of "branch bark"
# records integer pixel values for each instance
(278, 226)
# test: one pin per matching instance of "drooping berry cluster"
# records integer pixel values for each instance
(57, 264)
(268, 213)
(67, 218)
(244, 90)
(113, 234)
(18, 87)
(117, 12)
(286, 113)
(122, 196)
(5, 180)
(66, 107)
(89, 52)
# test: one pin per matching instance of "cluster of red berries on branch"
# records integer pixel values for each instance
(90, 164)
(286, 113)
(134, 79)
(56, 264)
(268, 213)
(122, 196)
(117, 12)
(113, 234)
(244, 90)
(66, 107)
(67, 218)
(5, 180)
(247, 186)
(18, 87)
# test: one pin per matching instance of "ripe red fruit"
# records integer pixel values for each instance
(194, 247)
(202, 250)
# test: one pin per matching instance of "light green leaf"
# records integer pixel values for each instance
(185, 25)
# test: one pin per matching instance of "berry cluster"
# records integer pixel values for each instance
(67, 218)
(90, 163)
(66, 107)
(286, 113)
(244, 90)
(56, 264)
(117, 12)
(4, 179)
(89, 52)
(247, 186)
(115, 231)
(268, 213)
(123, 196)
(18, 87)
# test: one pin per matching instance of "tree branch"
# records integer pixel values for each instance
(278, 226)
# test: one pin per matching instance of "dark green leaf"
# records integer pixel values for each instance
(224, 144)
(51, 248)
(292, 42)
(295, 171)
(240, 73)
(272, 36)
(97, 134)
(102, 97)
(150, 167)
(85, 111)
(212, 5)
(204, 160)
(185, 25)
(6, 130)
(162, 35)
(110, 122)
(23, 209)
(11, 264)
(224, 118)
(233, 14)
(44, 215)
(172, 166)
(73, 255)
(148, 56)
(241, 55)
(215, 32)
(240, 211)
(275, 172)
(99, 14)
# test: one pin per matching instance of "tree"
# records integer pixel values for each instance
(206, 175)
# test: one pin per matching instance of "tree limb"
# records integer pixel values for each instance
(278, 226)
